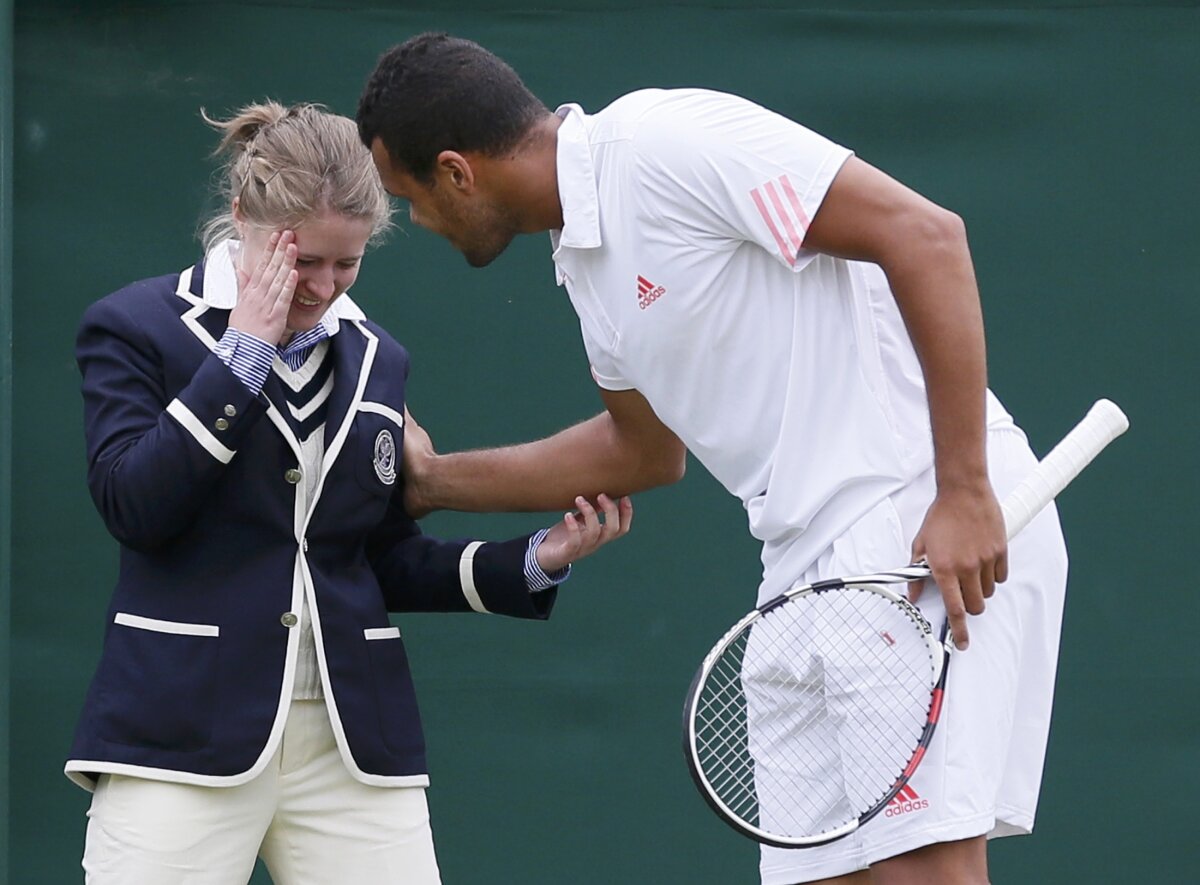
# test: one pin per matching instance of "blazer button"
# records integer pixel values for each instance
(288, 619)
(292, 476)
(230, 411)
(221, 424)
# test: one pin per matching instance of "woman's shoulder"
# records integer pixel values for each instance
(388, 345)
(140, 302)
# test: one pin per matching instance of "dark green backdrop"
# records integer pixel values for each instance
(1067, 139)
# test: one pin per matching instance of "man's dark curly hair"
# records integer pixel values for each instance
(435, 92)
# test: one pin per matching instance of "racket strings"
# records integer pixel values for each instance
(808, 716)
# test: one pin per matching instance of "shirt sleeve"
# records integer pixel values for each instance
(248, 357)
(535, 576)
(723, 170)
(604, 370)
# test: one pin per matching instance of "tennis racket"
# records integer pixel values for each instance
(811, 714)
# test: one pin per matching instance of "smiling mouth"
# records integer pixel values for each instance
(306, 302)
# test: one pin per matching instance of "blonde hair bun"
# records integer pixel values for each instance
(284, 165)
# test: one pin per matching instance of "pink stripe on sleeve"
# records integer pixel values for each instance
(797, 206)
(796, 238)
(766, 215)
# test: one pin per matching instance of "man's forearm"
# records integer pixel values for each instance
(587, 459)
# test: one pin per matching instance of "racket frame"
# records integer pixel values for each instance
(939, 653)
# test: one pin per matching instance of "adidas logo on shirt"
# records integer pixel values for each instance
(904, 802)
(648, 293)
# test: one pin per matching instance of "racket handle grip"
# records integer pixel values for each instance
(1103, 423)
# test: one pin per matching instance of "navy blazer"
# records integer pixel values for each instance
(197, 478)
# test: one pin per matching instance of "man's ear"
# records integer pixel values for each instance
(455, 171)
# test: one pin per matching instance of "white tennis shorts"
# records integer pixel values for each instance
(983, 770)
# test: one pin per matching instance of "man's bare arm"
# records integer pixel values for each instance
(624, 449)
(923, 250)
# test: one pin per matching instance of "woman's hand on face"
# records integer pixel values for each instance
(582, 533)
(265, 293)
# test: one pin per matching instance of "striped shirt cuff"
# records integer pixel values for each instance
(535, 577)
(248, 357)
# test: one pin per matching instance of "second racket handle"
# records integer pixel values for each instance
(1103, 423)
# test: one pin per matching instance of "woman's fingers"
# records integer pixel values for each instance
(280, 247)
(588, 522)
(595, 532)
(582, 532)
(284, 284)
(265, 297)
(261, 266)
(617, 516)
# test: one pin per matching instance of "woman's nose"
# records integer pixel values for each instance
(320, 283)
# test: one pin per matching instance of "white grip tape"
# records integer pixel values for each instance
(1103, 423)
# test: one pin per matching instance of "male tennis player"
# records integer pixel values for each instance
(811, 330)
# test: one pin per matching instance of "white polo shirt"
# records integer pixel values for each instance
(787, 373)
